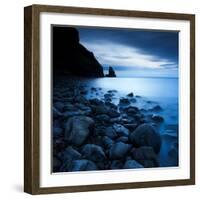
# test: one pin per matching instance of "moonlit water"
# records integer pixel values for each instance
(162, 91)
(149, 87)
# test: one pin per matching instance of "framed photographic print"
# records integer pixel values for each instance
(109, 99)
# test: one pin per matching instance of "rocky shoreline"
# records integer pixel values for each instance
(97, 134)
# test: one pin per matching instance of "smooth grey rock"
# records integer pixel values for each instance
(57, 132)
(68, 114)
(110, 132)
(68, 107)
(101, 109)
(120, 130)
(132, 164)
(124, 101)
(130, 95)
(132, 111)
(112, 91)
(118, 150)
(96, 102)
(111, 105)
(81, 99)
(116, 164)
(108, 95)
(156, 108)
(146, 156)
(123, 139)
(82, 106)
(157, 118)
(59, 106)
(82, 165)
(131, 126)
(103, 118)
(107, 142)
(145, 135)
(77, 129)
(70, 154)
(113, 113)
(93, 89)
(93, 152)
(56, 113)
(115, 120)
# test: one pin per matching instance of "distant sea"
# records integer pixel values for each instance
(163, 91)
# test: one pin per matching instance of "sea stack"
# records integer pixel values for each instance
(111, 72)
(70, 57)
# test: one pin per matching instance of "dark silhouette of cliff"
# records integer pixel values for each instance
(111, 72)
(72, 58)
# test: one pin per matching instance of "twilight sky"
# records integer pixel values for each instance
(133, 53)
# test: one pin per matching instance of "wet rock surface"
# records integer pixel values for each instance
(105, 132)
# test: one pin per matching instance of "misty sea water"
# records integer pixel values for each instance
(149, 92)
(163, 91)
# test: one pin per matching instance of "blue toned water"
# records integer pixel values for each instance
(162, 91)
(150, 92)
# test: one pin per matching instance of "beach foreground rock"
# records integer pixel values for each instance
(103, 132)
(77, 129)
(145, 135)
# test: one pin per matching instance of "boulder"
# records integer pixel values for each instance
(107, 142)
(156, 108)
(93, 152)
(108, 96)
(110, 132)
(157, 118)
(113, 113)
(123, 139)
(118, 150)
(116, 164)
(132, 164)
(132, 111)
(96, 102)
(146, 156)
(103, 118)
(124, 101)
(57, 132)
(70, 154)
(121, 130)
(130, 95)
(131, 126)
(146, 135)
(68, 107)
(68, 114)
(59, 106)
(80, 99)
(82, 165)
(56, 113)
(100, 109)
(111, 105)
(77, 129)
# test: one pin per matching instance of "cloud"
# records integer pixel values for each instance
(117, 54)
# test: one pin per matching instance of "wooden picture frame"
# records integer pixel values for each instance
(32, 106)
